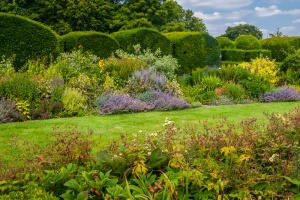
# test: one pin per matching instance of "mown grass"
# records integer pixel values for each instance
(110, 127)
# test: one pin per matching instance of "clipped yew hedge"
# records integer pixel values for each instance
(97, 43)
(147, 38)
(225, 43)
(247, 42)
(26, 39)
(239, 55)
(280, 47)
(194, 50)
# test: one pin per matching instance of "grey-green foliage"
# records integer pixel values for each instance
(165, 64)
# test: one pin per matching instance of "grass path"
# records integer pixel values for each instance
(109, 128)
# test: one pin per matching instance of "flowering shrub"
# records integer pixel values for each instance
(8, 110)
(281, 94)
(146, 80)
(262, 67)
(162, 101)
(119, 103)
(73, 100)
(163, 64)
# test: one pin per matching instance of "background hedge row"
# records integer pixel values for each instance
(194, 50)
(239, 55)
(97, 43)
(26, 39)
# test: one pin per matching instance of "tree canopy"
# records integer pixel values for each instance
(106, 16)
(242, 29)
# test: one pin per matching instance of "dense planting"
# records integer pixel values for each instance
(246, 160)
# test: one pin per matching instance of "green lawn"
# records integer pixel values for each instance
(110, 127)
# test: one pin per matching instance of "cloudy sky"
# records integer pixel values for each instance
(267, 15)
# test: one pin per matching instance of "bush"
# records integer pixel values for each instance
(97, 43)
(209, 97)
(161, 63)
(225, 43)
(236, 55)
(247, 42)
(280, 47)
(252, 54)
(69, 65)
(119, 103)
(26, 39)
(162, 101)
(280, 94)
(262, 66)
(29, 194)
(74, 101)
(8, 111)
(147, 38)
(194, 50)
(20, 87)
(291, 66)
(210, 83)
(255, 86)
(235, 92)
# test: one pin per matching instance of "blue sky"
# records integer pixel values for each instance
(267, 15)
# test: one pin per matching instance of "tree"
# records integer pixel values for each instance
(242, 29)
(276, 34)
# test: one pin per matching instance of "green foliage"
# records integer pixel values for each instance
(239, 55)
(6, 66)
(208, 98)
(194, 50)
(96, 43)
(210, 83)
(165, 64)
(236, 55)
(291, 66)
(234, 91)
(69, 65)
(73, 100)
(225, 43)
(26, 39)
(252, 54)
(29, 194)
(280, 47)
(242, 29)
(147, 38)
(20, 87)
(247, 42)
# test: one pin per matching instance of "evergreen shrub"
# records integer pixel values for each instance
(247, 42)
(280, 47)
(147, 38)
(26, 39)
(97, 43)
(225, 43)
(194, 50)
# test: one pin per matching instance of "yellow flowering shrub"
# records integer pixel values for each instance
(262, 66)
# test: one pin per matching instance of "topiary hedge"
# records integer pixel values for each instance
(147, 38)
(239, 55)
(247, 42)
(236, 55)
(97, 43)
(280, 47)
(26, 39)
(194, 50)
(225, 43)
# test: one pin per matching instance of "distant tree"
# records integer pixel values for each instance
(277, 33)
(106, 15)
(242, 29)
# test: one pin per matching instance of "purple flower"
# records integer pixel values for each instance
(280, 94)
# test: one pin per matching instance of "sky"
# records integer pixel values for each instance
(266, 15)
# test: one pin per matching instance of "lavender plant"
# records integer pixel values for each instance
(281, 94)
(8, 110)
(119, 103)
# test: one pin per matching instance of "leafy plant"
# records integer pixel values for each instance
(234, 91)
(73, 101)
(281, 94)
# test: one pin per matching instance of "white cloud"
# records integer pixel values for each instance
(296, 21)
(208, 17)
(273, 10)
(288, 28)
(235, 23)
(236, 15)
(219, 4)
